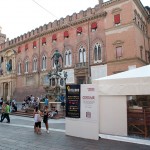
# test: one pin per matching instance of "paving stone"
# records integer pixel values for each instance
(19, 135)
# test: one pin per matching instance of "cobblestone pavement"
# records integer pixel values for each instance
(19, 135)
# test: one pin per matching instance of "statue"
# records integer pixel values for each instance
(56, 57)
(50, 74)
(65, 74)
(8, 66)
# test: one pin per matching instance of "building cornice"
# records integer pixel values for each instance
(125, 60)
(141, 7)
(65, 26)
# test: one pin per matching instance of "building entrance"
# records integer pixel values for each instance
(81, 80)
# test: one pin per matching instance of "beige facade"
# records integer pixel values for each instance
(111, 37)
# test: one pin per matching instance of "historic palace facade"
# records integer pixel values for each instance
(111, 37)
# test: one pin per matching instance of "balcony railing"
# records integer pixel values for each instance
(81, 65)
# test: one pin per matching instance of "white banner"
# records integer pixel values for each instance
(98, 71)
(89, 102)
(70, 78)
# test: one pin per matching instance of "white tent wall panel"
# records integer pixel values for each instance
(113, 115)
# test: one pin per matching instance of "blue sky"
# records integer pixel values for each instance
(20, 16)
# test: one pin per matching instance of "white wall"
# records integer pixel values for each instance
(113, 115)
(87, 126)
(81, 128)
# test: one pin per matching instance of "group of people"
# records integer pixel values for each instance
(39, 114)
(38, 119)
(30, 101)
(43, 115)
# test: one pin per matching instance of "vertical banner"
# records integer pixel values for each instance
(89, 102)
(73, 101)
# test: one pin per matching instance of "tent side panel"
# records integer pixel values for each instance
(113, 115)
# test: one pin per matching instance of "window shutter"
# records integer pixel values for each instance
(79, 30)
(94, 25)
(43, 40)
(34, 44)
(117, 19)
(118, 52)
(26, 46)
(66, 34)
(19, 49)
(54, 37)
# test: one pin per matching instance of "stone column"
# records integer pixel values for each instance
(5, 61)
(13, 64)
(9, 91)
(2, 90)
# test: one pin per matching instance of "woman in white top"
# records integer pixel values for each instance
(37, 120)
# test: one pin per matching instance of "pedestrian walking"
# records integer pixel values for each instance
(45, 118)
(6, 113)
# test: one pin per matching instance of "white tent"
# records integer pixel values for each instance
(132, 82)
(113, 91)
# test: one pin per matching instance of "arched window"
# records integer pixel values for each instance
(97, 52)
(68, 58)
(44, 62)
(26, 66)
(19, 68)
(34, 64)
(82, 54)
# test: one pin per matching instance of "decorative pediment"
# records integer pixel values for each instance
(118, 42)
(9, 53)
(116, 10)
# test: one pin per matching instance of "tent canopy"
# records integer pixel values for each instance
(132, 82)
(134, 73)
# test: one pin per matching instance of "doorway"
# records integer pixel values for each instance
(81, 80)
(138, 114)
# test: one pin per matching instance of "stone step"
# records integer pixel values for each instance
(30, 114)
(22, 113)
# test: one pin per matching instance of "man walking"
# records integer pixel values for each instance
(6, 113)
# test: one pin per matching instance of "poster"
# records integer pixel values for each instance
(73, 101)
(89, 102)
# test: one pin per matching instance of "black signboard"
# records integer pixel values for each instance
(73, 101)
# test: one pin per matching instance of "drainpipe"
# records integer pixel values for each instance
(89, 69)
(39, 65)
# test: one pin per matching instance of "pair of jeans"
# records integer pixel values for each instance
(6, 115)
(2, 116)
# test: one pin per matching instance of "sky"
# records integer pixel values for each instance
(20, 16)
